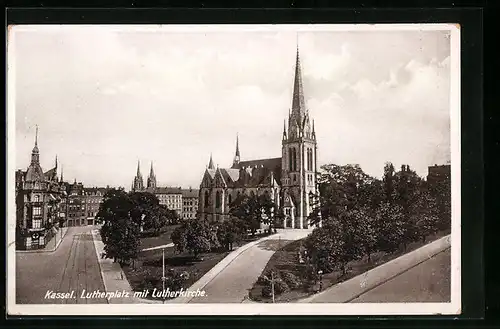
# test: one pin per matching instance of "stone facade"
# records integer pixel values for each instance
(39, 196)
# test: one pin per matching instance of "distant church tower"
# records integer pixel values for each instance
(299, 164)
(152, 178)
(236, 160)
(138, 184)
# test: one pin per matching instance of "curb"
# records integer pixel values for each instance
(343, 292)
(107, 280)
(219, 267)
(43, 250)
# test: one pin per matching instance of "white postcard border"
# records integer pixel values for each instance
(454, 307)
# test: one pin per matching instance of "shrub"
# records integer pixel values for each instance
(280, 287)
(290, 279)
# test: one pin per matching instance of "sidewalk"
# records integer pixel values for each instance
(229, 260)
(351, 289)
(53, 243)
(113, 276)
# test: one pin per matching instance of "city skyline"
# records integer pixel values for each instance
(175, 106)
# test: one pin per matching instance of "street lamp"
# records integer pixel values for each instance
(320, 273)
(163, 278)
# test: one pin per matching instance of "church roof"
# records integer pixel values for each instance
(252, 173)
(51, 174)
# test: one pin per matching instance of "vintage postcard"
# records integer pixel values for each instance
(233, 169)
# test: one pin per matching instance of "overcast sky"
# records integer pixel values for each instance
(104, 99)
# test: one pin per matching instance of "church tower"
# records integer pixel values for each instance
(299, 165)
(236, 160)
(151, 178)
(138, 184)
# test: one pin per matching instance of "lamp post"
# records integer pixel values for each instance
(163, 271)
(320, 272)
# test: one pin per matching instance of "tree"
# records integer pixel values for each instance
(230, 231)
(325, 246)
(426, 213)
(341, 189)
(388, 182)
(195, 236)
(389, 223)
(407, 191)
(253, 211)
(120, 231)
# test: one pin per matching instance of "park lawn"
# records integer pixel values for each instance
(149, 241)
(148, 266)
(286, 259)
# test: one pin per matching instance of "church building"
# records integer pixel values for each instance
(289, 180)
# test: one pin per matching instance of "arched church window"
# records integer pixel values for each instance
(290, 160)
(206, 198)
(218, 199)
(294, 159)
(229, 198)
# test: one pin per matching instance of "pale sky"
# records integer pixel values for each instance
(104, 99)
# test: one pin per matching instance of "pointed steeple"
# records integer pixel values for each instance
(56, 161)
(138, 168)
(35, 153)
(298, 103)
(298, 119)
(236, 160)
(62, 174)
(152, 177)
(211, 163)
(36, 136)
(313, 131)
(151, 172)
(237, 146)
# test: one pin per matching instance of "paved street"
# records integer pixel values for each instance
(72, 267)
(427, 282)
(232, 284)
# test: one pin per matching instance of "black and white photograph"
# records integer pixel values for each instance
(233, 169)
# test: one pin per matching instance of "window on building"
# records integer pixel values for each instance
(290, 160)
(37, 223)
(218, 199)
(206, 198)
(36, 198)
(37, 211)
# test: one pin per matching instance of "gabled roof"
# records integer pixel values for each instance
(190, 193)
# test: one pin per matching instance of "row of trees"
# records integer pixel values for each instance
(246, 215)
(361, 214)
(125, 216)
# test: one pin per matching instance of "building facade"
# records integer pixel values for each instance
(39, 196)
(168, 196)
(189, 203)
(439, 173)
(93, 200)
(290, 180)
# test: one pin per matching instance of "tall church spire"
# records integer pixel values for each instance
(236, 160)
(152, 177)
(298, 103)
(138, 182)
(211, 163)
(138, 168)
(62, 174)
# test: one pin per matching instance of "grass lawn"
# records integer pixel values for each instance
(148, 266)
(286, 259)
(148, 241)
